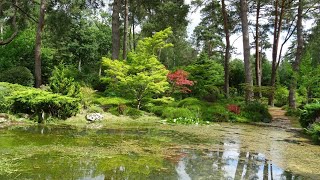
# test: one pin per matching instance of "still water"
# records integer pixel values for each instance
(63, 152)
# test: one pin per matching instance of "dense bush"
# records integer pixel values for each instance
(88, 96)
(215, 113)
(293, 112)
(61, 82)
(132, 112)
(172, 112)
(189, 102)
(109, 102)
(95, 109)
(309, 115)
(208, 76)
(157, 110)
(21, 99)
(281, 96)
(34, 101)
(314, 132)
(6, 89)
(256, 112)
(162, 101)
(18, 75)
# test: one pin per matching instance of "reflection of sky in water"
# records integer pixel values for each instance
(181, 170)
(228, 164)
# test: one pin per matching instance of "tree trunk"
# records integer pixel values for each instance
(227, 53)
(296, 63)
(246, 49)
(37, 63)
(276, 37)
(133, 33)
(125, 31)
(258, 66)
(79, 65)
(116, 30)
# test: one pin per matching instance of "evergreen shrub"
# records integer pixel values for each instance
(18, 75)
(310, 114)
(256, 112)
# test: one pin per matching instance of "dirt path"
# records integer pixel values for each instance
(279, 119)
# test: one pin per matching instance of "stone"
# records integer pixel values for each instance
(94, 117)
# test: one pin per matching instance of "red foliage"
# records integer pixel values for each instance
(234, 108)
(179, 79)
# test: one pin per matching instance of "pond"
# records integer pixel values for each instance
(221, 151)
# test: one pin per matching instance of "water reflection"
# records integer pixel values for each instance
(229, 164)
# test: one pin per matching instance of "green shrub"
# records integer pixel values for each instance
(35, 101)
(314, 132)
(18, 75)
(132, 112)
(21, 99)
(281, 96)
(162, 101)
(114, 111)
(256, 112)
(111, 101)
(6, 89)
(309, 115)
(88, 95)
(189, 101)
(157, 110)
(95, 109)
(61, 82)
(172, 112)
(215, 113)
(293, 112)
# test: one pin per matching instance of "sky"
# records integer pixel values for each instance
(194, 17)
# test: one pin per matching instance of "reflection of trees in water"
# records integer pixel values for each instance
(206, 165)
(213, 165)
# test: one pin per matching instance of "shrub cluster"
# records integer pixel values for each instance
(191, 109)
(256, 112)
(314, 132)
(18, 75)
(309, 115)
(20, 99)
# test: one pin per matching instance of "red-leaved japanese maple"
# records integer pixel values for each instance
(179, 81)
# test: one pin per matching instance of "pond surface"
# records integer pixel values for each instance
(227, 152)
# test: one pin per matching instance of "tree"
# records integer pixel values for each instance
(116, 29)
(179, 81)
(207, 76)
(210, 31)
(246, 49)
(37, 64)
(278, 21)
(125, 31)
(227, 51)
(142, 75)
(296, 63)
(258, 62)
